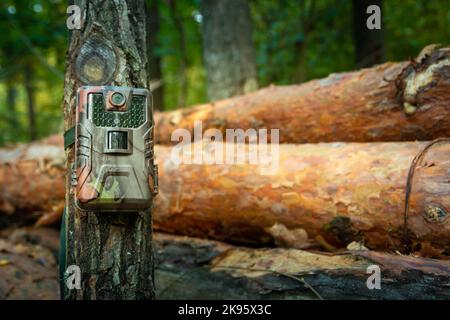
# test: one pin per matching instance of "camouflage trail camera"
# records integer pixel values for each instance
(114, 167)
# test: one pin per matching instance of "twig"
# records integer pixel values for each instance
(301, 280)
(417, 159)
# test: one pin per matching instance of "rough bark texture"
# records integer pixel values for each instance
(324, 195)
(228, 51)
(390, 102)
(113, 250)
(369, 44)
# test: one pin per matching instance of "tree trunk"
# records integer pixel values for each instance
(307, 19)
(154, 58)
(11, 97)
(182, 96)
(391, 102)
(29, 88)
(12, 127)
(300, 62)
(113, 250)
(228, 51)
(369, 44)
(336, 193)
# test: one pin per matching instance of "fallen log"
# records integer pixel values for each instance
(324, 195)
(32, 179)
(192, 268)
(403, 101)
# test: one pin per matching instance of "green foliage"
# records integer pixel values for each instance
(34, 34)
(314, 36)
(326, 33)
(413, 25)
(170, 51)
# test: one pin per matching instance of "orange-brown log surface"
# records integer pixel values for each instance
(32, 179)
(404, 101)
(324, 195)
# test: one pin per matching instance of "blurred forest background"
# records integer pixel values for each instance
(194, 44)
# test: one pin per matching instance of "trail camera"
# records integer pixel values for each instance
(114, 168)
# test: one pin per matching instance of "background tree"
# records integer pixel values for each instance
(307, 19)
(228, 50)
(369, 43)
(31, 64)
(35, 32)
(28, 76)
(182, 48)
(113, 250)
(154, 57)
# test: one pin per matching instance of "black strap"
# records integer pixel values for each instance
(69, 138)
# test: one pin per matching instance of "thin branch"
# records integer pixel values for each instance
(291, 276)
(409, 181)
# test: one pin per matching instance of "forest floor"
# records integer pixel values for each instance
(192, 268)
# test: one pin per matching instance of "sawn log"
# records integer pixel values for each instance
(403, 101)
(324, 195)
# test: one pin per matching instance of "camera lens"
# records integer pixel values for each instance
(117, 99)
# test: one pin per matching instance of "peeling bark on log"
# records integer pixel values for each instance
(113, 251)
(324, 195)
(404, 101)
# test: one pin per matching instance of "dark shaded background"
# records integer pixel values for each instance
(294, 41)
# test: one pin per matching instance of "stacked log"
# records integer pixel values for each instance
(403, 101)
(323, 195)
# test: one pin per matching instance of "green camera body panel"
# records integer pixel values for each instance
(114, 166)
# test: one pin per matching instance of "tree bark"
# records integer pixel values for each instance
(113, 250)
(29, 88)
(369, 44)
(391, 102)
(228, 51)
(324, 195)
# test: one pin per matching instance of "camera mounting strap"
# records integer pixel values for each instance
(69, 137)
